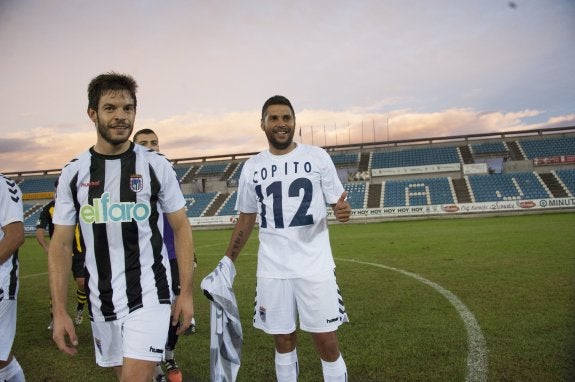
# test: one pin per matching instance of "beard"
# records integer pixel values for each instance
(280, 145)
(105, 132)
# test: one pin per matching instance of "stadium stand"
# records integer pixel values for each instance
(344, 159)
(35, 185)
(488, 148)
(504, 187)
(229, 205)
(548, 147)
(531, 165)
(235, 176)
(198, 203)
(356, 195)
(567, 178)
(182, 171)
(415, 157)
(212, 169)
(418, 192)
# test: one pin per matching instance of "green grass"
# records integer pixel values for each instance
(516, 274)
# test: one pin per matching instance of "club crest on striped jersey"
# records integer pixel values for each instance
(136, 183)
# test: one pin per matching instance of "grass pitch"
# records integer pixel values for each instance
(514, 274)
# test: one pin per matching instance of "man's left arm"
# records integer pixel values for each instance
(342, 209)
(183, 309)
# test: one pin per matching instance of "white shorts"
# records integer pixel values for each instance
(7, 325)
(141, 335)
(316, 299)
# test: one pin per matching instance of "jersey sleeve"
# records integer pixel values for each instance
(330, 183)
(64, 209)
(11, 209)
(246, 200)
(172, 198)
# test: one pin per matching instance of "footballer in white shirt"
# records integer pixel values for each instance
(286, 189)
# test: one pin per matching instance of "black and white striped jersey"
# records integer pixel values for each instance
(11, 210)
(118, 201)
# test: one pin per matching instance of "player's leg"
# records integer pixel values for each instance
(332, 363)
(173, 371)
(275, 314)
(192, 328)
(78, 271)
(144, 337)
(321, 312)
(10, 369)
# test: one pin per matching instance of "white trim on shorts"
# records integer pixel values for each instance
(141, 335)
(315, 300)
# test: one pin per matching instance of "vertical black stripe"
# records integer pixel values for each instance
(101, 248)
(160, 274)
(130, 236)
(13, 277)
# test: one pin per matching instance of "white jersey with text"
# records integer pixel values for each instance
(118, 201)
(11, 211)
(290, 192)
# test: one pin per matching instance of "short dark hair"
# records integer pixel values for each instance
(143, 131)
(110, 81)
(276, 100)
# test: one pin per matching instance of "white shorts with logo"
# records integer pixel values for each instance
(7, 325)
(315, 299)
(141, 335)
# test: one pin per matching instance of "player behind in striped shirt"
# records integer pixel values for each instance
(149, 139)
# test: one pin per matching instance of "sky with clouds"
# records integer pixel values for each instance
(354, 70)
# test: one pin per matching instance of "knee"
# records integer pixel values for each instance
(285, 343)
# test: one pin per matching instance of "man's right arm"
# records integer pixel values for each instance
(240, 234)
(41, 238)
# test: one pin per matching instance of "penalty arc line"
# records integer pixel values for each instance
(477, 359)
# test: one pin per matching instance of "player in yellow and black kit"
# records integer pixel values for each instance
(78, 258)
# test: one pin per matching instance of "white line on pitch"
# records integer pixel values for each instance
(477, 359)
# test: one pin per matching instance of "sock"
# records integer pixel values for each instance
(82, 298)
(172, 336)
(12, 372)
(158, 370)
(287, 368)
(169, 354)
(334, 371)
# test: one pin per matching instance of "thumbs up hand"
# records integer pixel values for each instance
(342, 209)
